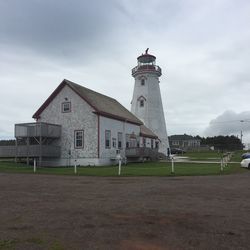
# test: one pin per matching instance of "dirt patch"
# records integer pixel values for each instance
(138, 213)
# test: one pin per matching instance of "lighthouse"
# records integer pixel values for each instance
(146, 103)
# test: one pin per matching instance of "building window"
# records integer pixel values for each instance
(152, 143)
(144, 142)
(79, 138)
(114, 142)
(142, 82)
(127, 140)
(157, 144)
(132, 143)
(119, 140)
(66, 107)
(107, 138)
(141, 103)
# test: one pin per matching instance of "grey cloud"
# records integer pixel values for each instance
(201, 46)
(57, 28)
(229, 123)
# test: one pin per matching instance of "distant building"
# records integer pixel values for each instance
(185, 142)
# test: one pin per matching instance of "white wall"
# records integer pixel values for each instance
(115, 126)
(152, 113)
(81, 117)
(148, 142)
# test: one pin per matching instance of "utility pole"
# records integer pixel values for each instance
(241, 134)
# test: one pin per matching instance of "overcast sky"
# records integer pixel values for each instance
(203, 48)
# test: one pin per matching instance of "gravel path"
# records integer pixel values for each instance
(67, 212)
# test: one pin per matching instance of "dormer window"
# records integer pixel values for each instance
(142, 82)
(66, 107)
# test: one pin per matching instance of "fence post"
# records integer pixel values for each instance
(119, 168)
(172, 165)
(221, 164)
(34, 169)
(75, 169)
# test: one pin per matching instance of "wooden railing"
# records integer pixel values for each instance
(37, 129)
(146, 67)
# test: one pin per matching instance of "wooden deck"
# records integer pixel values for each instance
(37, 129)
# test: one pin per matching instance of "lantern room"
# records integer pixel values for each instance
(146, 64)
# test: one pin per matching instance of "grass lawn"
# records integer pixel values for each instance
(237, 155)
(132, 169)
(207, 155)
(213, 156)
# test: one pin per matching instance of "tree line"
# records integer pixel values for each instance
(222, 142)
(7, 142)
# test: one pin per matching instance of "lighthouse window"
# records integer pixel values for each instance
(141, 103)
(142, 82)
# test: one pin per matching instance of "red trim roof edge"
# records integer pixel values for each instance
(49, 99)
(83, 97)
(119, 118)
(55, 93)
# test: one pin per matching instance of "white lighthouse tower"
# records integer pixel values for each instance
(146, 103)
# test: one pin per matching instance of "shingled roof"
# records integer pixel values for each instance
(102, 104)
(144, 131)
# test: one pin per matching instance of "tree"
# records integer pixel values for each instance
(223, 142)
(7, 142)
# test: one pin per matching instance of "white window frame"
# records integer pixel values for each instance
(107, 139)
(66, 107)
(141, 103)
(79, 137)
(120, 139)
(114, 142)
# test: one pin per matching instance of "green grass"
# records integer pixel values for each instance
(237, 155)
(35, 240)
(11, 244)
(7, 244)
(56, 246)
(132, 169)
(207, 155)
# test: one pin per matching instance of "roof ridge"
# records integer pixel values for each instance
(100, 103)
(93, 91)
(73, 84)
